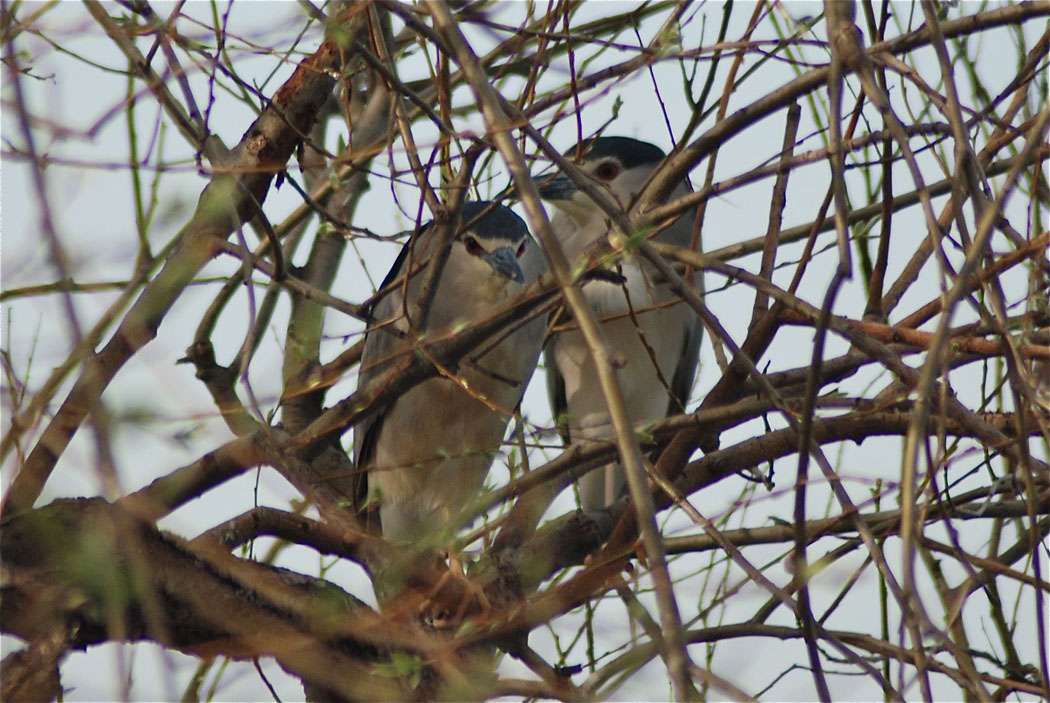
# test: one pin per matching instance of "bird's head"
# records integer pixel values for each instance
(493, 244)
(621, 165)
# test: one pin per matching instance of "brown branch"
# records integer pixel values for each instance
(568, 540)
(204, 604)
(678, 165)
(223, 206)
(961, 342)
(198, 599)
(883, 523)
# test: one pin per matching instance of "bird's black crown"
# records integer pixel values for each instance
(629, 152)
(498, 223)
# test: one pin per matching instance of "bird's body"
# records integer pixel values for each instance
(427, 455)
(656, 339)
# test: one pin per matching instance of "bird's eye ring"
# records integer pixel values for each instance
(473, 247)
(607, 171)
(521, 248)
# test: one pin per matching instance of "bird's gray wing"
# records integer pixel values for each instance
(556, 391)
(376, 357)
(681, 234)
(685, 369)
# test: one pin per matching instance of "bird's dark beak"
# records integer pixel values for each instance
(555, 187)
(505, 263)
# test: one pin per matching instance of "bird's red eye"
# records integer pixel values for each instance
(607, 170)
(472, 245)
(521, 248)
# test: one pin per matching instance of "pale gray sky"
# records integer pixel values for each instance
(94, 219)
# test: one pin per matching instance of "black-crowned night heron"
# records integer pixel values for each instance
(658, 342)
(427, 454)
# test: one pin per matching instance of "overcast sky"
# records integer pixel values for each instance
(89, 190)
